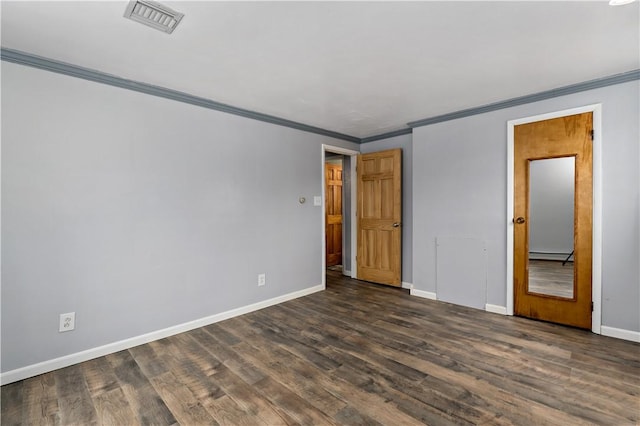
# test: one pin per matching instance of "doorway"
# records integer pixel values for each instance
(347, 258)
(554, 274)
(333, 210)
(372, 215)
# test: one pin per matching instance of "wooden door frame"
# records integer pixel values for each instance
(353, 249)
(596, 279)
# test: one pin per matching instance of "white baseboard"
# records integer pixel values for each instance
(619, 333)
(346, 273)
(496, 309)
(423, 294)
(407, 285)
(67, 360)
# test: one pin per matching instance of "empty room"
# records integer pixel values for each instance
(320, 213)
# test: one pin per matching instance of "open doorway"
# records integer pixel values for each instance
(338, 212)
(334, 203)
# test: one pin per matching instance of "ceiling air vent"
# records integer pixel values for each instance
(153, 14)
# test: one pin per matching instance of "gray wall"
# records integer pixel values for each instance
(551, 198)
(459, 190)
(140, 213)
(405, 142)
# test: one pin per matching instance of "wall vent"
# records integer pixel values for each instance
(153, 14)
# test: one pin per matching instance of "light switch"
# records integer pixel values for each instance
(317, 200)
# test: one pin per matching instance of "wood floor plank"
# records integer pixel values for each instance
(423, 410)
(431, 405)
(236, 377)
(41, 400)
(145, 402)
(250, 400)
(99, 376)
(148, 361)
(541, 397)
(226, 411)
(288, 369)
(112, 408)
(109, 400)
(356, 354)
(195, 367)
(299, 375)
(207, 337)
(163, 365)
(11, 403)
(207, 386)
(295, 406)
(323, 379)
(74, 399)
(535, 383)
(180, 401)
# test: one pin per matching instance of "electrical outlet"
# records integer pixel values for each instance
(67, 322)
(262, 279)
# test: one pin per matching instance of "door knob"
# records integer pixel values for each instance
(395, 225)
(520, 220)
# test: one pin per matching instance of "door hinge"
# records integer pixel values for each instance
(591, 133)
(591, 306)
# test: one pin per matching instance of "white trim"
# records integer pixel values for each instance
(619, 333)
(67, 360)
(339, 150)
(510, 215)
(346, 273)
(323, 233)
(354, 217)
(0, 224)
(496, 309)
(596, 268)
(424, 294)
(407, 285)
(596, 281)
(351, 153)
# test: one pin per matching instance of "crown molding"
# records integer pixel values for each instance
(34, 61)
(527, 99)
(387, 135)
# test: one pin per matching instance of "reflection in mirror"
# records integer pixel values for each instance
(551, 203)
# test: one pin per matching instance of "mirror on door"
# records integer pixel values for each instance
(551, 226)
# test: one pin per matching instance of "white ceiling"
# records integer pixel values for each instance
(359, 68)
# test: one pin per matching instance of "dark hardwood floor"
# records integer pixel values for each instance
(356, 353)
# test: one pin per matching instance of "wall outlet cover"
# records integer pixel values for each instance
(67, 322)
